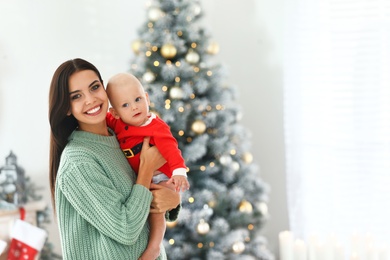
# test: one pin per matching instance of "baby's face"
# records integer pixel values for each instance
(131, 103)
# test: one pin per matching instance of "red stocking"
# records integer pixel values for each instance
(26, 240)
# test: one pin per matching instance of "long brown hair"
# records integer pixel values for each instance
(61, 124)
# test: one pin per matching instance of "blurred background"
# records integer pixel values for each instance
(37, 36)
(296, 65)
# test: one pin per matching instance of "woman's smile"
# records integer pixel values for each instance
(94, 111)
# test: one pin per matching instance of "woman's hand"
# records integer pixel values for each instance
(164, 199)
(151, 156)
(150, 161)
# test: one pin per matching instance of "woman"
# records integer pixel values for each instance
(102, 207)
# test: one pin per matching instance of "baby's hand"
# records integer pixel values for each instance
(180, 182)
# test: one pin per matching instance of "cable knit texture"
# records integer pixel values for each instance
(102, 213)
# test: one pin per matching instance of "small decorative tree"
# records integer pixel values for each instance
(16, 190)
(12, 181)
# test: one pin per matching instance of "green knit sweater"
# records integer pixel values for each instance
(101, 212)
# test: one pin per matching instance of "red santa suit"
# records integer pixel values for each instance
(131, 138)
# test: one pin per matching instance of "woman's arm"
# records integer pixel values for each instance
(164, 199)
(150, 161)
(92, 194)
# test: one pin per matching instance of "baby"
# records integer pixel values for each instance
(131, 120)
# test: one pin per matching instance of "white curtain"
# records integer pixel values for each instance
(337, 117)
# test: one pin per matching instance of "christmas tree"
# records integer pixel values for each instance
(226, 207)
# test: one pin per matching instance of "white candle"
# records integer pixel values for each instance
(300, 250)
(354, 256)
(339, 252)
(368, 248)
(372, 253)
(321, 251)
(312, 247)
(356, 244)
(329, 247)
(384, 254)
(286, 245)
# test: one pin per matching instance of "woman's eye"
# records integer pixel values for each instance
(74, 97)
(95, 87)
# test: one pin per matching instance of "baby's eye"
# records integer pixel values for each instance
(138, 99)
(125, 105)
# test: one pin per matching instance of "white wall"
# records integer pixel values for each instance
(250, 34)
(36, 36)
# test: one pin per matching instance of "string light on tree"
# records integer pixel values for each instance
(155, 14)
(236, 166)
(197, 9)
(239, 116)
(247, 157)
(212, 203)
(263, 207)
(213, 48)
(238, 247)
(136, 46)
(168, 104)
(225, 159)
(208, 209)
(148, 77)
(171, 241)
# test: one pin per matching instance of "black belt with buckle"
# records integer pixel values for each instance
(129, 153)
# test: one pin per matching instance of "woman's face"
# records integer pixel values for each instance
(88, 101)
